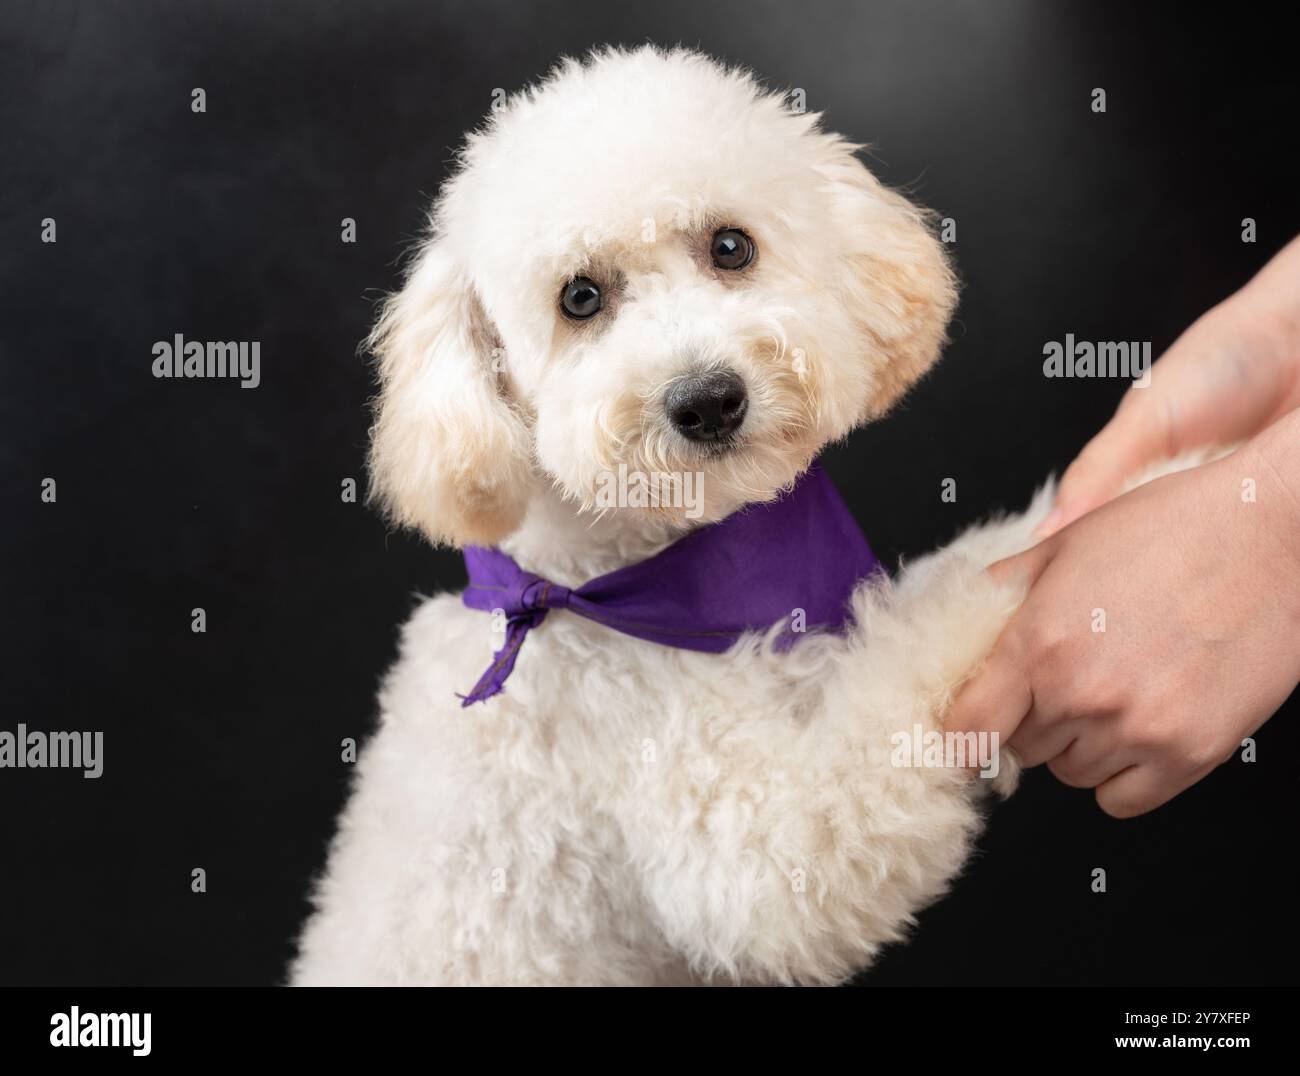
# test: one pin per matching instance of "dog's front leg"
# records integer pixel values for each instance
(796, 834)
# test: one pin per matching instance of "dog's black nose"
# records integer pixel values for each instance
(707, 407)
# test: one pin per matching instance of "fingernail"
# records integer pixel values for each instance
(1051, 522)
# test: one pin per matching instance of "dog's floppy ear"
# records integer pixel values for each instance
(449, 454)
(896, 278)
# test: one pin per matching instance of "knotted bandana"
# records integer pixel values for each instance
(759, 566)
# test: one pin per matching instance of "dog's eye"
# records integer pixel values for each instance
(731, 249)
(580, 298)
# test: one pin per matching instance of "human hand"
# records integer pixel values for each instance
(1158, 631)
(1230, 375)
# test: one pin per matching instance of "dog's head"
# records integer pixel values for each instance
(646, 260)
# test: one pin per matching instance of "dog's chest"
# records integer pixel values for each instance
(584, 705)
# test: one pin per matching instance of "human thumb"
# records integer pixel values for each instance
(1127, 444)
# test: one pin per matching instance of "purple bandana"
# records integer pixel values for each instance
(745, 573)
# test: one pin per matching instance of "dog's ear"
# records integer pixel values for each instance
(449, 454)
(896, 277)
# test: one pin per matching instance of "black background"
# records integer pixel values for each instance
(222, 749)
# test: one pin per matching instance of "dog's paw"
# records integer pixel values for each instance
(1008, 778)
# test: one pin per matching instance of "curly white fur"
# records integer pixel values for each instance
(628, 813)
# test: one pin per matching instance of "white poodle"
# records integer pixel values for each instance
(649, 266)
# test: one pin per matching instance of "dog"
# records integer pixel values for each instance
(649, 262)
